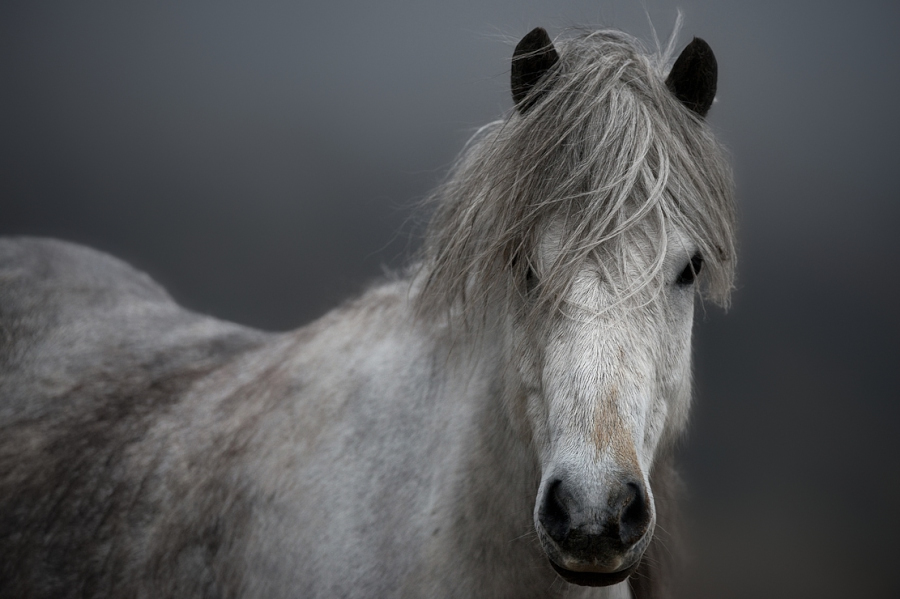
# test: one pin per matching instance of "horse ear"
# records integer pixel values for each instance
(532, 58)
(693, 77)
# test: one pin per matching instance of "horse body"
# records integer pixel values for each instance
(496, 423)
(205, 459)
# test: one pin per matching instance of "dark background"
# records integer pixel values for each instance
(263, 160)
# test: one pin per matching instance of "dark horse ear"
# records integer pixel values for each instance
(532, 58)
(693, 77)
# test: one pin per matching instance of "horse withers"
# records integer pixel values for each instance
(497, 422)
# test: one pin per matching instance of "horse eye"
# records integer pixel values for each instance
(530, 279)
(690, 272)
(529, 275)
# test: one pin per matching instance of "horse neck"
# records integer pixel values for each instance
(481, 370)
(494, 470)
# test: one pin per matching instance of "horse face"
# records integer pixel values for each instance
(608, 383)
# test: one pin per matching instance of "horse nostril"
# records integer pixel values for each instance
(598, 532)
(634, 517)
(554, 514)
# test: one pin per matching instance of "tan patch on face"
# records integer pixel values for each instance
(610, 433)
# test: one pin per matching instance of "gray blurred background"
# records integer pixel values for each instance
(263, 161)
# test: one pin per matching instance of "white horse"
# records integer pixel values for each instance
(498, 422)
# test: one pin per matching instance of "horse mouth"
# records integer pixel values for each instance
(594, 579)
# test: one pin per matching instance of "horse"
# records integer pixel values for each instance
(498, 419)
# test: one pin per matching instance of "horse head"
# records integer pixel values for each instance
(607, 283)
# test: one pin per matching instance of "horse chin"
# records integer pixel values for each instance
(594, 579)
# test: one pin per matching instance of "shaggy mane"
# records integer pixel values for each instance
(608, 151)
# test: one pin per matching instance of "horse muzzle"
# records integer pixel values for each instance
(594, 543)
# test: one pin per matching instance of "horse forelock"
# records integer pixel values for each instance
(607, 151)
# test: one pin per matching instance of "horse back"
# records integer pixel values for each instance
(72, 317)
(94, 356)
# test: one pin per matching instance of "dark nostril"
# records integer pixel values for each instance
(595, 532)
(554, 515)
(634, 518)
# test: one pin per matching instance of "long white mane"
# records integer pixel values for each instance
(608, 151)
